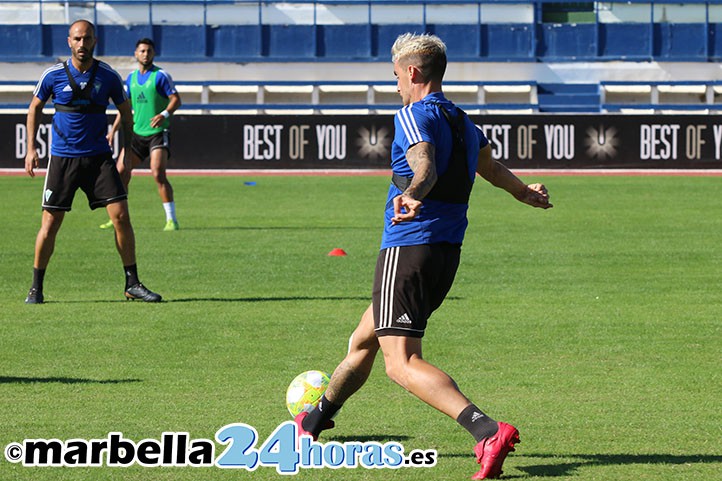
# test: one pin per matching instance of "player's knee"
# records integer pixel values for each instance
(48, 232)
(50, 223)
(160, 177)
(122, 222)
(361, 340)
(121, 218)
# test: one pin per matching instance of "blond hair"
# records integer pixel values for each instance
(425, 51)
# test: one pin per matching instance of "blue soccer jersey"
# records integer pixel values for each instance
(437, 221)
(77, 134)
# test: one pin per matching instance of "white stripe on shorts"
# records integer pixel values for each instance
(388, 281)
(45, 183)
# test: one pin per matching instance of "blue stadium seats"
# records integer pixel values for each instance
(463, 42)
(55, 41)
(567, 41)
(715, 42)
(119, 40)
(18, 42)
(347, 42)
(508, 42)
(180, 42)
(567, 97)
(296, 42)
(283, 31)
(535, 37)
(229, 42)
(680, 41)
(384, 36)
(627, 41)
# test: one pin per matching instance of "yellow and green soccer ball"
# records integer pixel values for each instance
(305, 391)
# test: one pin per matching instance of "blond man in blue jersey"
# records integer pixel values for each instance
(154, 99)
(435, 156)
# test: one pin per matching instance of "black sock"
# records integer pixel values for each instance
(131, 275)
(317, 419)
(477, 423)
(38, 277)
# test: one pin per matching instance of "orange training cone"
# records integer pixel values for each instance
(337, 252)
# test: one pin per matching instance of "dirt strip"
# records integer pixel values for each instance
(384, 172)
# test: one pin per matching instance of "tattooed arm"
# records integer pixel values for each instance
(421, 159)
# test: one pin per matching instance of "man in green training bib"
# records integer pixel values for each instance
(154, 99)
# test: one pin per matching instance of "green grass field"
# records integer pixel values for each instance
(594, 327)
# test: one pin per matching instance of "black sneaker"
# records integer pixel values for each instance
(139, 291)
(35, 296)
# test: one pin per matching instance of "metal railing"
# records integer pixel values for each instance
(201, 97)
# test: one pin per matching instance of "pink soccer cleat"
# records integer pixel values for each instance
(491, 452)
(299, 423)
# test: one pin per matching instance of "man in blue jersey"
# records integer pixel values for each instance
(434, 157)
(154, 99)
(81, 88)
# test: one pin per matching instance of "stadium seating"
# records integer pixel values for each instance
(644, 97)
(568, 97)
(475, 97)
(347, 97)
(317, 33)
(364, 30)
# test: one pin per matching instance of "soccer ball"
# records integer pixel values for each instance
(305, 391)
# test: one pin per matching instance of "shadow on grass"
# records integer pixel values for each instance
(380, 438)
(61, 380)
(281, 299)
(220, 299)
(270, 299)
(284, 227)
(564, 467)
(567, 468)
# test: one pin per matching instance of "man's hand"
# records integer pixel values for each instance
(535, 195)
(35, 112)
(31, 162)
(156, 121)
(405, 208)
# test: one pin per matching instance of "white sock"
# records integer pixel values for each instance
(169, 211)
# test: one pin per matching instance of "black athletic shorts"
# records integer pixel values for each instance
(410, 283)
(97, 176)
(142, 146)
